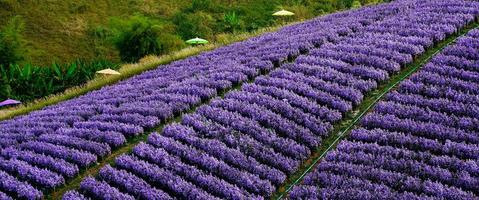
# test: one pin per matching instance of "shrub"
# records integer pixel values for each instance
(258, 15)
(324, 6)
(231, 22)
(200, 5)
(356, 4)
(138, 36)
(198, 24)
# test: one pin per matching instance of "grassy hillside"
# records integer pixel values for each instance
(58, 31)
(62, 31)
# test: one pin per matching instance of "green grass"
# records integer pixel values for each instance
(57, 31)
(341, 129)
(60, 31)
(127, 71)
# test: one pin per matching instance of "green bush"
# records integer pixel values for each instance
(200, 5)
(231, 22)
(191, 25)
(140, 36)
(326, 6)
(28, 82)
(356, 4)
(11, 42)
(258, 14)
(197, 24)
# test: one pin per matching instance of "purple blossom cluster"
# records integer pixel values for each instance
(245, 144)
(420, 142)
(73, 195)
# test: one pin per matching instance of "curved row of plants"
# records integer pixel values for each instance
(22, 78)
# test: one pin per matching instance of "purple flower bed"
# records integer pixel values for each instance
(245, 144)
(420, 142)
(64, 138)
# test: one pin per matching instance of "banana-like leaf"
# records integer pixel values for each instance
(71, 71)
(58, 72)
(26, 72)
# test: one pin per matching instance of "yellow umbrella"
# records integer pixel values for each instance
(283, 13)
(108, 72)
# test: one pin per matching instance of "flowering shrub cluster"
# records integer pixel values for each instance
(421, 142)
(245, 144)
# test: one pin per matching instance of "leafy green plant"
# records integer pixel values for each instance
(139, 36)
(356, 4)
(198, 24)
(258, 14)
(231, 22)
(28, 82)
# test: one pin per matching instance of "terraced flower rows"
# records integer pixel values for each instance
(46, 148)
(421, 142)
(242, 145)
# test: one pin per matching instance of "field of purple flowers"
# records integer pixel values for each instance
(251, 113)
(421, 142)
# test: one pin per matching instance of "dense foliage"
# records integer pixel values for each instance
(28, 82)
(140, 36)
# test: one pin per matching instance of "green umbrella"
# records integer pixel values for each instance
(197, 41)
